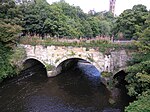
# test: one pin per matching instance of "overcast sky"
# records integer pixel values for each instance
(101, 5)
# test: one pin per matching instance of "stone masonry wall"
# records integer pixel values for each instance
(54, 55)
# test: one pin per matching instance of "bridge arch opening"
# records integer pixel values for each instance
(82, 65)
(32, 66)
(80, 72)
(120, 77)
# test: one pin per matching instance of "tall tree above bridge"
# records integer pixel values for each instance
(62, 19)
(129, 23)
(10, 18)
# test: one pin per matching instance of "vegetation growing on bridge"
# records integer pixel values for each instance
(49, 67)
(102, 45)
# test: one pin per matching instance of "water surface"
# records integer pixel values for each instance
(72, 91)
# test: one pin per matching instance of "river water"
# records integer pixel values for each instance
(72, 91)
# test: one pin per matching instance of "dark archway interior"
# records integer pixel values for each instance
(70, 64)
(78, 66)
(120, 78)
(32, 63)
(33, 66)
(120, 83)
(120, 75)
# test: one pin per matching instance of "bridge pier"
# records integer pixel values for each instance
(54, 72)
(51, 74)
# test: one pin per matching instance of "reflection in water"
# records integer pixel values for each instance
(73, 91)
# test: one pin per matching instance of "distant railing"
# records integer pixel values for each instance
(122, 41)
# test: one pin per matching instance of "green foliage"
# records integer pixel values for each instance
(49, 67)
(16, 58)
(144, 40)
(139, 70)
(131, 22)
(139, 81)
(6, 68)
(105, 28)
(10, 13)
(63, 20)
(136, 75)
(101, 45)
(106, 74)
(138, 58)
(72, 53)
(141, 105)
(9, 33)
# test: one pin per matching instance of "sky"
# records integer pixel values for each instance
(102, 5)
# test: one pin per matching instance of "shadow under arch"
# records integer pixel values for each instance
(120, 77)
(120, 74)
(78, 85)
(33, 66)
(70, 63)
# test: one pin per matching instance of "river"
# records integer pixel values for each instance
(72, 91)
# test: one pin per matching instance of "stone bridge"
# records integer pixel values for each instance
(60, 57)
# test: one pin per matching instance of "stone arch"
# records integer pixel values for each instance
(66, 58)
(120, 77)
(35, 58)
(37, 61)
(91, 60)
(59, 65)
(120, 74)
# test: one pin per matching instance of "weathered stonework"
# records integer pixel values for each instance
(54, 55)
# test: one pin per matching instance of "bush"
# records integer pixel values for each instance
(6, 68)
(16, 58)
(141, 105)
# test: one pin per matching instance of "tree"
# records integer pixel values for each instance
(9, 12)
(141, 105)
(94, 23)
(86, 29)
(130, 22)
(144, 39)
(139, 72)
(62, 19)
(10, 18)
(9, 33)
(6, 68)
(105, 28)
